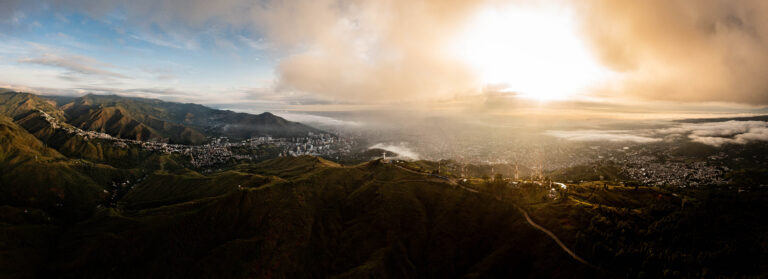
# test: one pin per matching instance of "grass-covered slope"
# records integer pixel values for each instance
(652, 233)
(13, 104)
(32, 175)
(166, 189)
(366, 221)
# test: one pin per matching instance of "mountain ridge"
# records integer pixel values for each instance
(151, 119)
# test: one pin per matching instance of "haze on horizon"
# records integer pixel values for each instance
(576, 59)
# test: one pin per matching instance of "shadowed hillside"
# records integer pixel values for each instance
(371, 220)
(74, 204)
(648, 232)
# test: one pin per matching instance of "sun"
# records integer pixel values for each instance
(534, 51)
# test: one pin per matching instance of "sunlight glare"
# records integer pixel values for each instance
(533, 51)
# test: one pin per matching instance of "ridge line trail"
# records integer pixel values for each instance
(552, 236)
(525, 214)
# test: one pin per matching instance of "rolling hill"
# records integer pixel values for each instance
(303, 216)
(33, 175)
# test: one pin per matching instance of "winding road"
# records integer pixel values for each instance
(553, 237)
(527, 217)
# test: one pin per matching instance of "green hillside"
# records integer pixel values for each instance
(32, 175)
(306, 216)
(167, 189)
(370, 220)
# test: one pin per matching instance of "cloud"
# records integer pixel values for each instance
(164, 71)
(164, 42)
(601, 135)
(371, 50)
(74, 63)
(319, 120)
(161, 91)
(361, 51)
(724, 128)
(754, 134)
(166, 93)
(708, 50)
(710, 133)
(401, 150)
(268, 94)
(390, 51)
(725, 132)
(259, 44)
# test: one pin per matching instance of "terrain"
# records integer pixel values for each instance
(74, 206)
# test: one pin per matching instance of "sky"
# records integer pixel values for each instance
(594, 58)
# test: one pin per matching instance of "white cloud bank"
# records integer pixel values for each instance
(319, 120)
(719, 133)
(709, 133)
(401, 150)
(604, 135)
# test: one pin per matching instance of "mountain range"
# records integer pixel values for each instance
(150, 119)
